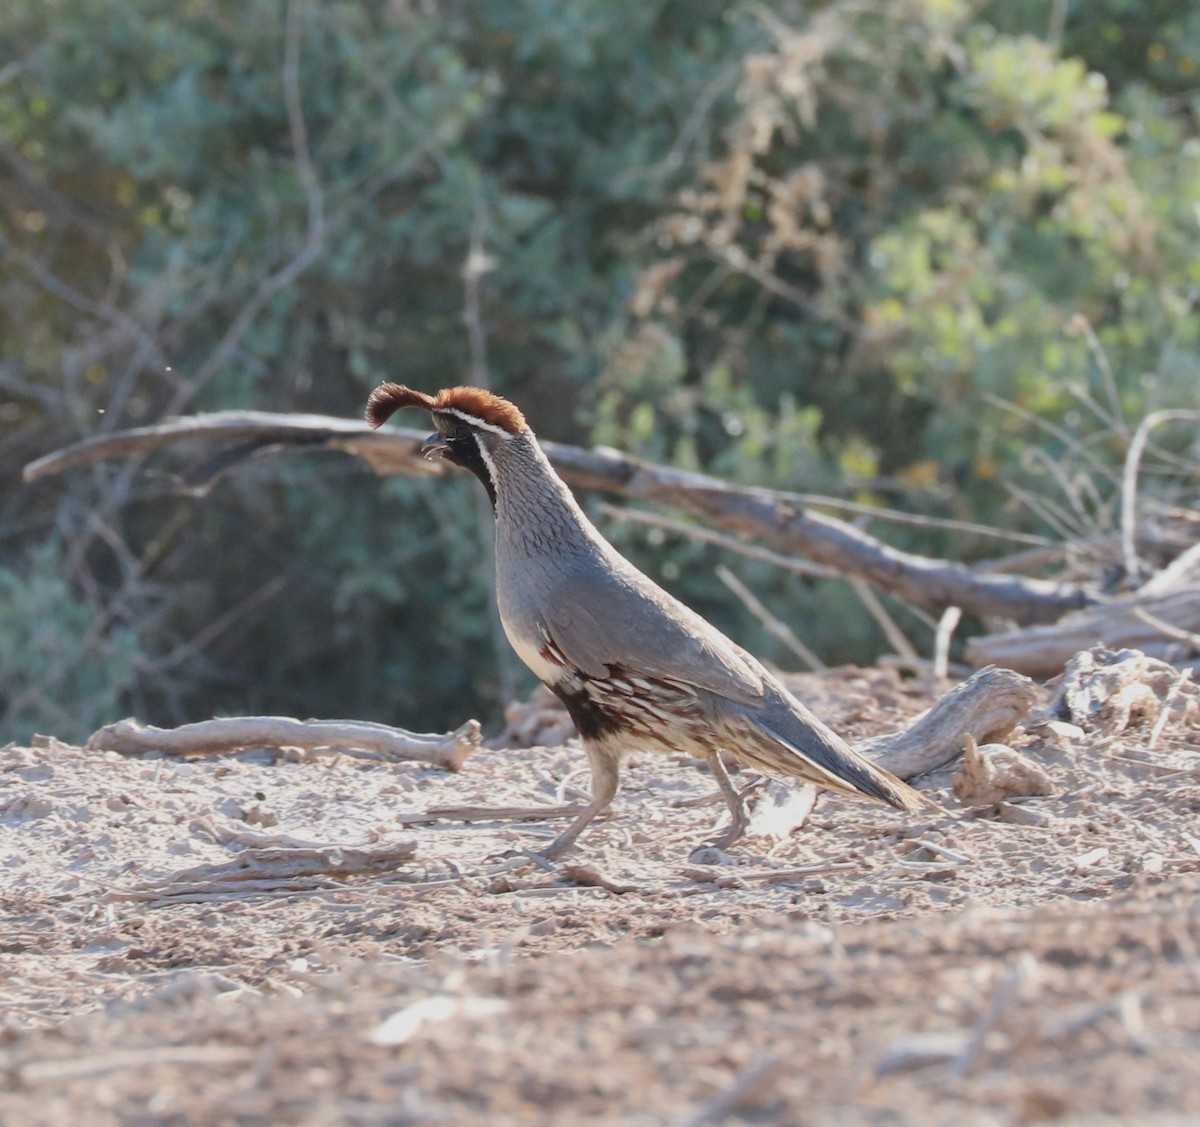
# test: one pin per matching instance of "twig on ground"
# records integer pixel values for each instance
(724, 878)
(489, 814)
(269, 869)
(1022, 971)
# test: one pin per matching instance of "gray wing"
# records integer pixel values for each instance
(627, 620)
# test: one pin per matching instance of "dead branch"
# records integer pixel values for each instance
(1131, 622)
(783, 522)
(234, 733)
(389, 453)
(488, 814)
(986, 707)
(271, 869)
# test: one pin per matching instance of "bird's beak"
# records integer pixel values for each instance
(434, 446)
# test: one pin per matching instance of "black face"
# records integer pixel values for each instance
(459, 443)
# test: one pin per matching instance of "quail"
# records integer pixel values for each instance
(636, 669)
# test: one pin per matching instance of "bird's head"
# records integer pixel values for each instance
(472, 424)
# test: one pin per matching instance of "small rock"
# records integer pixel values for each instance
(920, 1050)
(1018, 815)
(1090, 859)
(1152, 863)
(711, 855)
(1064, 731)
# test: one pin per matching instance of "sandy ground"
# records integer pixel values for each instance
(286, 937)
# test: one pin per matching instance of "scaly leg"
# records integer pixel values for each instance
(735, 802)
(605, 780)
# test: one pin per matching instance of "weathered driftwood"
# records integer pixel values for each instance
(234, 733)
(985, 707)
(1158, 625)
(783, 522)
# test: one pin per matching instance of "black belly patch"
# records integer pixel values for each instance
(591, 718)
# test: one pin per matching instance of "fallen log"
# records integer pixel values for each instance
(784, 522)
(1164, 626)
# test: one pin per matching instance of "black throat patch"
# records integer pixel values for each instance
(463, 450)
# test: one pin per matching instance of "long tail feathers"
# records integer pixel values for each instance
(841, 768)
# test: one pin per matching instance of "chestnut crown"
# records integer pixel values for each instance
(467, 404)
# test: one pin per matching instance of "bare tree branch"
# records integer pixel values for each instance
(781, 521)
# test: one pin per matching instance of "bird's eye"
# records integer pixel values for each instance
(461, 432)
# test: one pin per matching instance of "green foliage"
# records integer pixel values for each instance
(63, 668)
(803, 245)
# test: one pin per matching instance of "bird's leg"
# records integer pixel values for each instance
(605, 780)
(735, 802)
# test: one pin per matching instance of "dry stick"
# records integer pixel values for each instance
(872, 512)
(704, 535)
(1133, 458)
(747, 1083)
(1182, 571)
(1021, 972)
(1165, 712)
(270, 869)
(488, 814)
(780, 521)
(1166, 629)
(942, 638)
(1095, 462)
(771, 624)
(1108, 379)
(887, 623)
(717, 875)
(233, 733)
(1084, 523)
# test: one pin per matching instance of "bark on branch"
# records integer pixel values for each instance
(784, 522)
(1161, 626)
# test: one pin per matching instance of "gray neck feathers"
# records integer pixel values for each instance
(535, 511)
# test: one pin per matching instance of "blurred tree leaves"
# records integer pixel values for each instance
(796, 244)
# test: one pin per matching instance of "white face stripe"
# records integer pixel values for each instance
(487, 459)
(472, 420)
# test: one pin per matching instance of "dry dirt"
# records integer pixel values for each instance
(249, 939)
